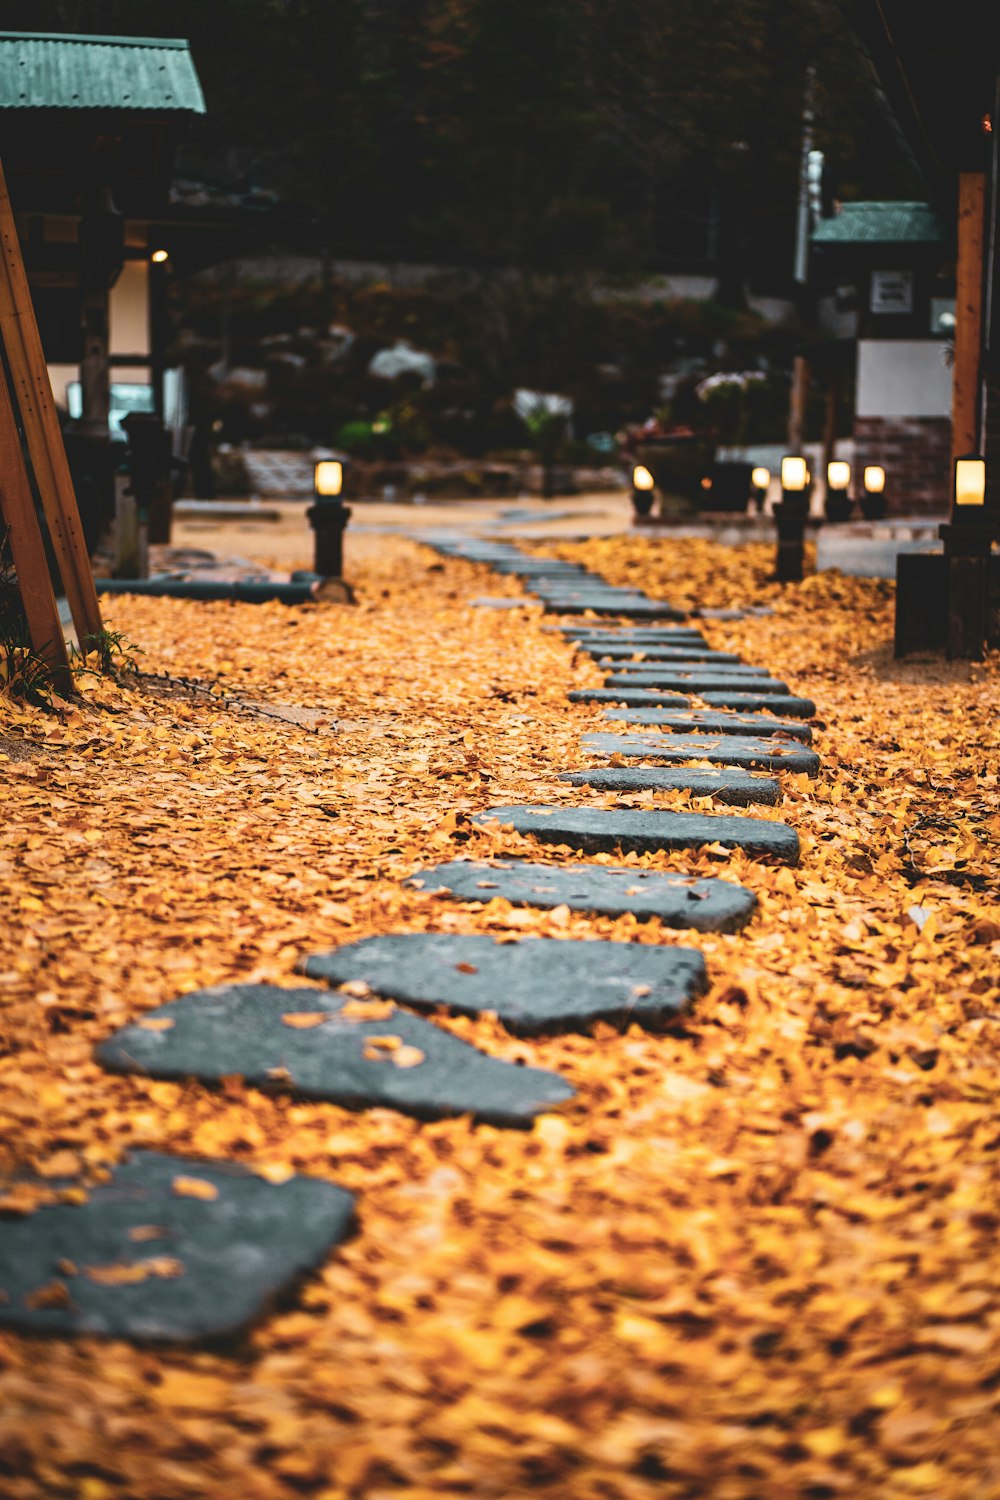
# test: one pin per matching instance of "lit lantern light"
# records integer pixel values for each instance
(642, 479)
(158, 257)
(760, 478)
(838, 475)
(794, 473)
(706, 483)
(874, 479)
(328, 480)
(970, 480)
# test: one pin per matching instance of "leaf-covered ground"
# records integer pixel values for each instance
(755, 1258)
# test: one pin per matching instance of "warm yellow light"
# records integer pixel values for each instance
(838, 475)
(159, 256)
(329, 477)
(794, 474)
(874, 479)
(642, 479)
(970, 480)
(760, 478)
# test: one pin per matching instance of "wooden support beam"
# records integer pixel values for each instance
(968, 315)
(24, 540)
(31, 396)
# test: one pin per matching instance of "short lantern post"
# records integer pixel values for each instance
(968, 541)
(873, 499)
(328, 517)
(643, 487)
(790, 518)
(838, 500)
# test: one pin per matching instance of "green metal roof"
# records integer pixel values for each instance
(57, 71)
(882, 224)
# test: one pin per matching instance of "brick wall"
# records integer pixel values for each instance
(915, 453)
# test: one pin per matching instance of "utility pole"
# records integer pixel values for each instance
(800, 367)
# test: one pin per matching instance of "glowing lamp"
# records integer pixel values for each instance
(159, 256)
(838, 475)
(706, 483)
(794, 474)
(970, 480)
(328, 480)
(760, 478)
(874, 479)
(642, 479)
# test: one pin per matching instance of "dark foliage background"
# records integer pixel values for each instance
(619, 134)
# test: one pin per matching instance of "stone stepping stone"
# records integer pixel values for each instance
(637, 697)
(634, 671)
(634, 831)
(534, 985)
(661, 653)
(733, 614)
(333, 1048)
(671, 635)
(736, 787)
(751, 702)
(712, 721)
(170, 1248)
(718, 722)
(633, 609)
(698, 680)
(721, 750)
(678, 900)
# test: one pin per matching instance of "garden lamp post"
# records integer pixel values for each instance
(838, 501)
(328, 517)
(643, 485)
(790, 518)
(968, 540)
(873, 499)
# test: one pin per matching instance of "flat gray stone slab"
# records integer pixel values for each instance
(335, 1053)
(672, 635)
(636, 697)
(533, 985)
(601, 831)
(719, 722)
(170, 1248)
(633, 609)
(660, 653)
(720, 749)
(694, 681)
(738, 788)
(678, 900)
(752, 702)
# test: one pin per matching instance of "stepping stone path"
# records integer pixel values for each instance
(168, 1248)
(698, 720)
(533, 985)
(634, 831)
(636, 698)
(776, 703)
(721, 750)
(348, 1051)
(678, 900)
(698, 680)
(173, 1248)
(737, 787)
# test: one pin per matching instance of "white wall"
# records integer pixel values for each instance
(902, 378)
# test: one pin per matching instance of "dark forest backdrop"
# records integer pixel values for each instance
(551, 133)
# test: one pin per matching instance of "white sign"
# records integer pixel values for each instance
(892, 292)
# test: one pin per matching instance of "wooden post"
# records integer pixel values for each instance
(968, 316)
(31, 395)
(17, 511)
(797, 407)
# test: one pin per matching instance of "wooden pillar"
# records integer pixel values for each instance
(968, 316)
(797, 407)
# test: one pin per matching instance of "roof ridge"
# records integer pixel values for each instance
(96, 40)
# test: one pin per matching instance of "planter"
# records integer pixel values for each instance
(730, 486)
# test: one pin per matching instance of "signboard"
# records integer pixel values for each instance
(892, 292)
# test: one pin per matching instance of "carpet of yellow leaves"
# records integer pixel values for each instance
(754, 1258)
